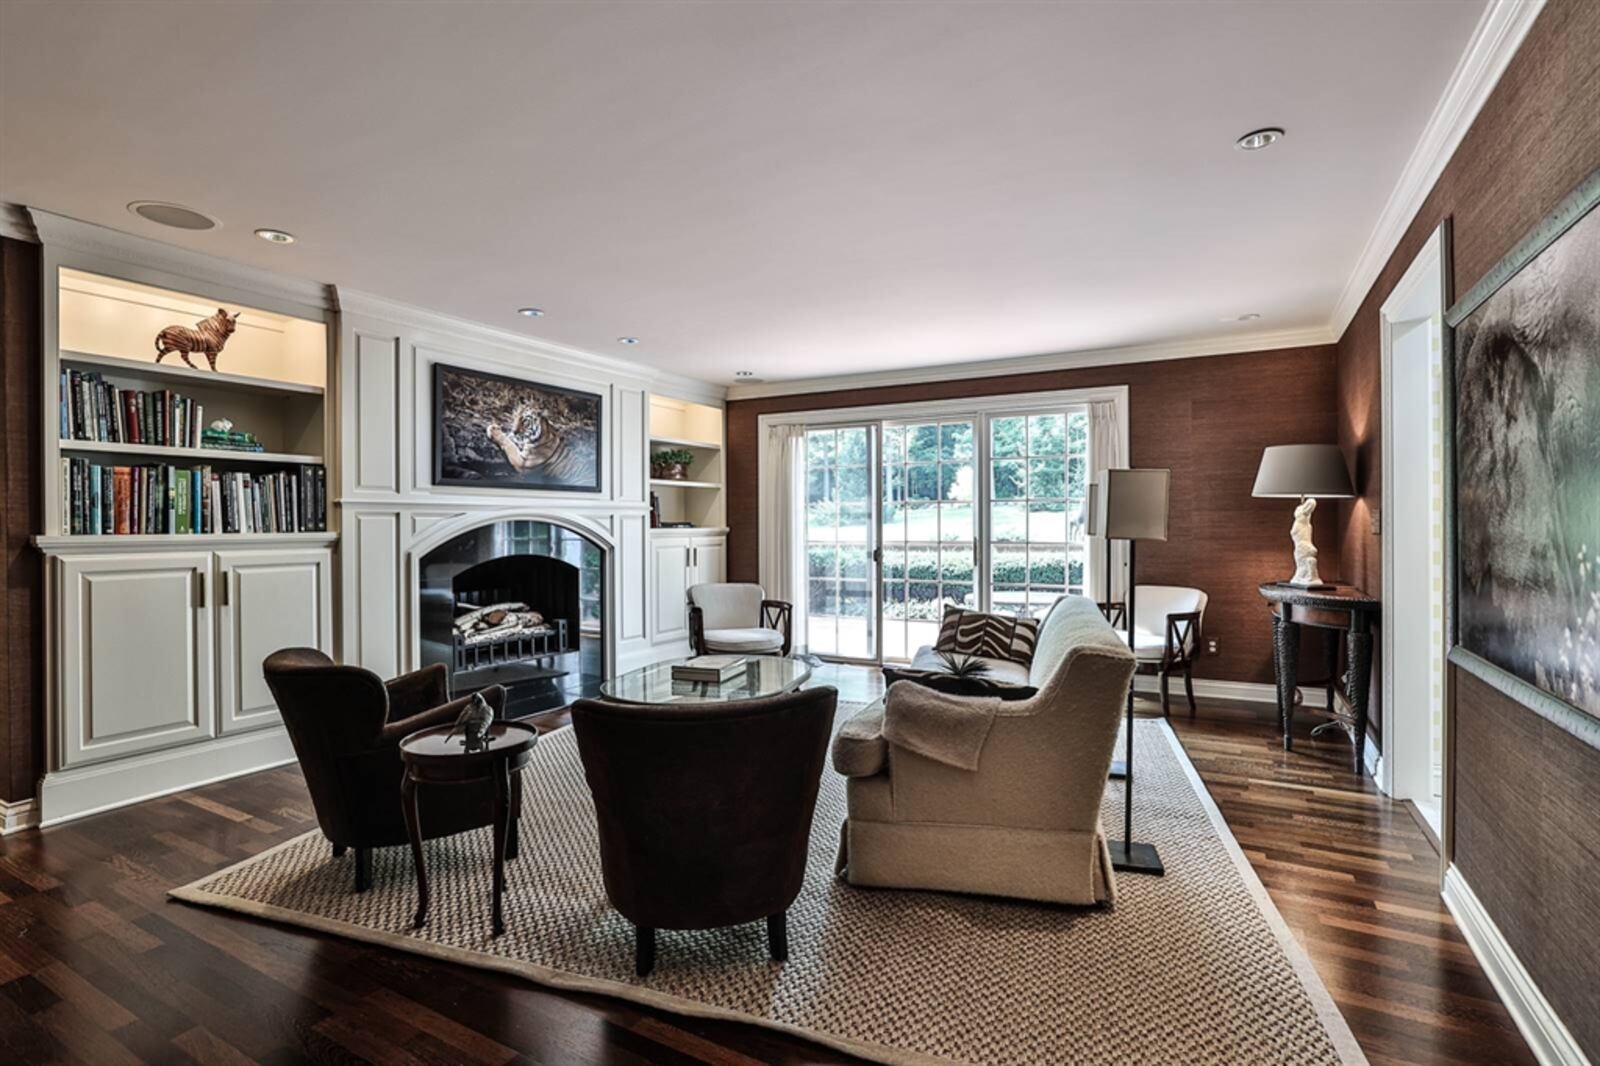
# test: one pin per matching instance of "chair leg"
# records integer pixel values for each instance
(778, 936)
(1188, 684)
(363, 869)
(338, 851)
(1165, 673)
(644, 950)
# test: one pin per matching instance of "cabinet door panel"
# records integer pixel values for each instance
(710, 560)
(267, 600)
(669, 588)
(136, 654)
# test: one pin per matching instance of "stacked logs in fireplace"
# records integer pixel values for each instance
(547, 586)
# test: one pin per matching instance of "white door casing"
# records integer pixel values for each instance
(267, 600)
(1411, 332)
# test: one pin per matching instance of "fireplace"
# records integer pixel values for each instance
(517, 603)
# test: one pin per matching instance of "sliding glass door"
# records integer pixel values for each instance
(907, 516)
(841, 542)
(927, 508)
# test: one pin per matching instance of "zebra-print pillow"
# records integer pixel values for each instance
(993, 636)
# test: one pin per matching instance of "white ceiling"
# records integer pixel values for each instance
(796, 189)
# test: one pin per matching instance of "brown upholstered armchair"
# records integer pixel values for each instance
(346, 724)
(705, 811)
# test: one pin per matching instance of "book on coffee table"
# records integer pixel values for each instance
(713, 668)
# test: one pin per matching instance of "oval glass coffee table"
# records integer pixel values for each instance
(764, 675)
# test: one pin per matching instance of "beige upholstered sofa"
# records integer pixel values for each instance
(1026, 821)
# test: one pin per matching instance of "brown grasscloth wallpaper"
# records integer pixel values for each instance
(21, 616)
(1526, 793)
(1206, 419)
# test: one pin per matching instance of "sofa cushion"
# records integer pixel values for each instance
(990, 636)
(751, 640)
(859, 749)
(1002, 670)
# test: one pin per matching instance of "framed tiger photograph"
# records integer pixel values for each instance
(496, 432)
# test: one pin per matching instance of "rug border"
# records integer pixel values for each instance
(1344, 1041)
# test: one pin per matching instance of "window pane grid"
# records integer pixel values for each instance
(1037, 466)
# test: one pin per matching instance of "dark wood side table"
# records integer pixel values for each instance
(1342, 607)
(433, 757)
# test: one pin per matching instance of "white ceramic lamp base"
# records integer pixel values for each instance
(1305, 552)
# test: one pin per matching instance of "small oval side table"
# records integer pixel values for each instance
(433, 757)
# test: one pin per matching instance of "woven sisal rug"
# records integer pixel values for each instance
(1195, 967)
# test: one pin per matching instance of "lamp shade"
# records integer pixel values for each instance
(1303, 470)
(1132, 504)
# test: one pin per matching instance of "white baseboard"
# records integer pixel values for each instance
(1207, 688)
(17, 815)
(1549, 1039)
(68, 794)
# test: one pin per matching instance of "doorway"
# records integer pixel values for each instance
(1411, 328)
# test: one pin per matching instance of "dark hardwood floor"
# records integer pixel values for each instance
(98, 967)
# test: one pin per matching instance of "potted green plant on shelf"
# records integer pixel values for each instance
(671, 464)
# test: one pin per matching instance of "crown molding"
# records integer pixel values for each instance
(15, 223)
(451, 328)
(61, 233)
(1033, 364)
(1495, 40)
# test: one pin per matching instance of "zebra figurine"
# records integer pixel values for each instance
(208, 336)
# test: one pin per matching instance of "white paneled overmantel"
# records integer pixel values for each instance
(392, 514)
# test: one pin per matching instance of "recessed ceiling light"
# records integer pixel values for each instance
(1256, 140)
(1248, 317)
(174, 215)
(530, 312)
(627, 340)
(276, 236)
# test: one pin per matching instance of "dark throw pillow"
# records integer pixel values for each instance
(952, 685)
(992, 636)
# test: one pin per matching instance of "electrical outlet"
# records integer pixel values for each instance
(1211, 646)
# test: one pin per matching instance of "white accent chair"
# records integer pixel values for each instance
(1166, 633)
(736, 618)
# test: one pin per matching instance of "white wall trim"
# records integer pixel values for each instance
(145, 255)
(68, 794)
(1031, 364)
(1547, 1036)
(435, 326)
(1495, 40)
(17, 815)
(1213, 689)
(15, 223)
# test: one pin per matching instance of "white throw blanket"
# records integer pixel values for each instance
(936, 725)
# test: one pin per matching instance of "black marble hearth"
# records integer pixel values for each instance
(558, 572)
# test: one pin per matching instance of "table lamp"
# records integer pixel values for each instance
(1303, 472)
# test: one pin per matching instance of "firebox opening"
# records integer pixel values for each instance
(517, 603)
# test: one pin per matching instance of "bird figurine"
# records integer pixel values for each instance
(473, 723)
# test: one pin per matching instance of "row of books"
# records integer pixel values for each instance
(92, 408)
(155, 498)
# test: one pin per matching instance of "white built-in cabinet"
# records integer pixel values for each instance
(267, 600)
(163, 649)
(155, 633)
(678, 562)
(137, 654)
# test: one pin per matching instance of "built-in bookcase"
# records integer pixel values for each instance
(122, 422)
(697, 428)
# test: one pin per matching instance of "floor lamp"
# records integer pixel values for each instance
(1089, 515)
(1132, 506)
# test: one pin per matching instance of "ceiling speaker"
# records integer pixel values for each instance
(174, 215)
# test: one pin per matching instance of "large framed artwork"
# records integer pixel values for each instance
(1526, 389)
(493, 431)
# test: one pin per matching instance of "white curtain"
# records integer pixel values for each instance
(782, 516)
(1105, 453)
